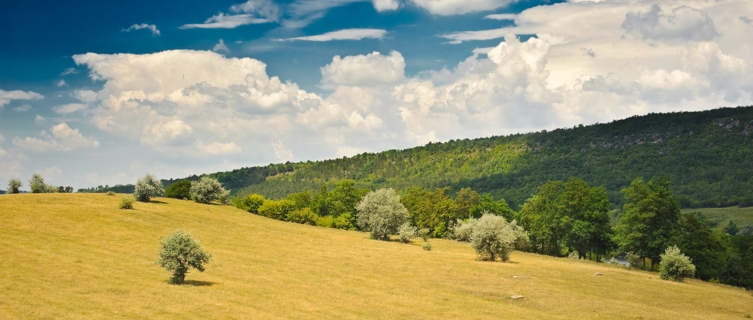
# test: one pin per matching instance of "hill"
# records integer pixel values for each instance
(706, 155)
(77, 256)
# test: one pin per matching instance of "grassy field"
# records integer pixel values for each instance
(720, 217)
(78, 256)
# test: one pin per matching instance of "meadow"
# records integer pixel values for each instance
(71, 256)
(720, 217)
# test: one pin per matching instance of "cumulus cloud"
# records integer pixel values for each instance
(7, 96)
(455, 7)
(216, 148)
(345, 34)
(61, 83)
(385, 5)
(682, 23)
(364, 70)
(60, 137)
(143, 26)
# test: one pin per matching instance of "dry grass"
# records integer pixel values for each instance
(79, 256)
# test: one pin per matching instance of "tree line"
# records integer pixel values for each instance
(563, 218)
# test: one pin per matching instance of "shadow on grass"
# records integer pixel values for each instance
(157, 201)
(194, 283)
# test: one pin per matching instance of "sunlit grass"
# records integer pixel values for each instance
(79, 256)
(720, 217)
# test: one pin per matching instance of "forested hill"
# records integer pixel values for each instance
(708, 156)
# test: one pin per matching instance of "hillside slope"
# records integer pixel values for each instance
(707, 156)
(77, 256)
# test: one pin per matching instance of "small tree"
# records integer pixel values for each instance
(463, 229)
(36, 183)
(251, 203)
(675, 265)
(14, 185)
(126, 203)
(493, 237)
(179, 190)
(179, 252)
(381, 213)
(207, 190)
(407, 232)
(147, 187)
(302, 216)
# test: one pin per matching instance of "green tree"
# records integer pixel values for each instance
(179, 190)
(588, 209)
(546, 224)
(650, 219)
(467, 201)
(179, 252)
(207, 190)
(433, 210)
(147, 187)
(731, 228)
(251, 203)
(276, 209)
(14, 186)
(381, 213)
(705, 247)
(36, 183)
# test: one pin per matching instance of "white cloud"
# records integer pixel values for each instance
(682, 23)
(2, 152)
(141, 26)
(263, 8)
(501, 16)
(216, 148)
(385, 5)
(455, 7)
(85, 96)
(61, 83)
(61, 137)
(40, 120)
(222, 21)
(364, 70)
(69, 108)
(22, 108)
(7, 96)
(68, 71)
(221, 47)
(345, 34)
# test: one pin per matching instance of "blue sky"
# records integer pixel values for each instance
(103, 92)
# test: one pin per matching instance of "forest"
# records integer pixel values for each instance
(706, 155)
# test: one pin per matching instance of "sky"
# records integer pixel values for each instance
(103, 92)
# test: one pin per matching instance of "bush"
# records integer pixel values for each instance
(36, 183)
(251, 203)
(276, 209)
(423, 233)
(426, 246)
(463, 229)
(381, 213)
(207, 190)
(344, 221)
(326, 221)
(126, 203)
(493, 237)
(179, 252)
(303, 216)
(179, 190)
(147, 187)
(674, 265)
(14, 186)
(407, 232)
(110, 193)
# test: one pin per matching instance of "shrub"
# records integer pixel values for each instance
(326, 221)
(36, 183)
(207, 190)
(179, 252)
(147, 187)
(426, 246)
(381, 213)
(423, 233)
(407, 232)
(126, 203)
(493, 237)
(463, 229)
(179, 190)
(251, 203)
(110, 193)
(522, 241)
(14, 186)
(674, 265)
(276, 209)
(303, 216)
(344, 221)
